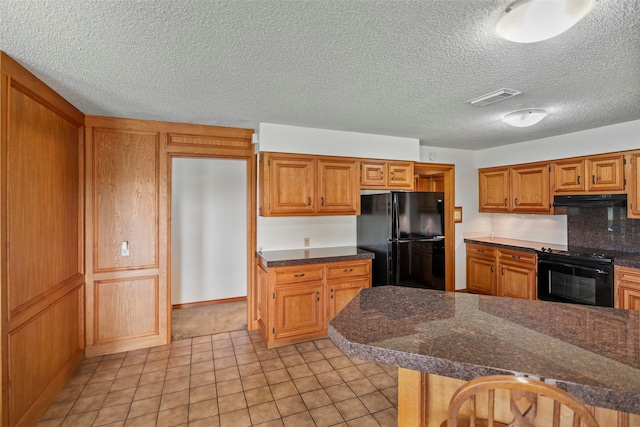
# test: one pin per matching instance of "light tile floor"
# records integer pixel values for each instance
(228, 379)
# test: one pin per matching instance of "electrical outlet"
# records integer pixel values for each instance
(306, 242)
(124, 249)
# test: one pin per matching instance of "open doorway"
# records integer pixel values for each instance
(441, 177)
(208, 246)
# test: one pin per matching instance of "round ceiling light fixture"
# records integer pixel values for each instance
(524, 118)
(530, 21)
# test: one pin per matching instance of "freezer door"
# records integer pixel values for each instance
(419, 264)
(417, 215)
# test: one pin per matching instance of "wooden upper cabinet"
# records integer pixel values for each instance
(633, 190)
(605, 173)
(392, 175)
(568, 176)
(290, 189)
(303, 185)
(530, 189)
(400, 175)
(494, 190)
(338, 187)
(518, 189)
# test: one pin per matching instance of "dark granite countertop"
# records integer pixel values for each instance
(592, 352)
(312, 256)
(522, 245)
(628, 259)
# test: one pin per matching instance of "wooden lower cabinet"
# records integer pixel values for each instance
(296, 303)
(501, 272)
(481, 269)
(627, 288)
(517, 274)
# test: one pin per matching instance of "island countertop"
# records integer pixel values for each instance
(312, 256)
(591, 352)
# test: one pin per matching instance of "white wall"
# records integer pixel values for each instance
(208, 230)
(289, 233)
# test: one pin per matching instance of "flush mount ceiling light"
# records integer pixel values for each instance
(524, 118)
(529, 21)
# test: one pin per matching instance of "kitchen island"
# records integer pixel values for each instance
(439, 340)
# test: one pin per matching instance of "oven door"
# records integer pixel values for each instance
(565, 281)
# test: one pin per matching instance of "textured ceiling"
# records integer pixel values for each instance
(402, 68)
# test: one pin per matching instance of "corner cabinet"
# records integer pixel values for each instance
(501, 272)
(389, 175)
(627, 288)
(308, 185)
(296, 303)
(517, 189)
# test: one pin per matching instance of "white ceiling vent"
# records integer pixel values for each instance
(494, 96)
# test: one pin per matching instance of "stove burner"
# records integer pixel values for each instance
(583, 253)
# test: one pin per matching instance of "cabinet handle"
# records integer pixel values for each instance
(492, 268)
(381, 174)
(578, 179)
(502, 272)
(309, 201)
(348, 270)
(480, 250)
(515, 202)
(318, 295)
(515, 256)
(331, 293)
(322, 201)
(393, 175)
(593, 179)
(298, 275)
(505, 202)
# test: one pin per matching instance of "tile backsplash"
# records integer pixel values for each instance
(603, 228)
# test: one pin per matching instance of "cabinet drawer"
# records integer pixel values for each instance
(298, 274)
(517, 256)
(628, 274)
(481, 250)
(348, 269)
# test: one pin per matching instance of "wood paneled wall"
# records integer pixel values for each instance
(41, 243)
(128, 199)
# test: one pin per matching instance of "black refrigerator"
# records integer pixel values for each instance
(405, 230)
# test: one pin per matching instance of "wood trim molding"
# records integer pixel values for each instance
(209, 302)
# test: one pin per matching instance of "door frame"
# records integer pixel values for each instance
(448, 170)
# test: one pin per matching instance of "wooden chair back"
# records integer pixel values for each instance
(523, 403)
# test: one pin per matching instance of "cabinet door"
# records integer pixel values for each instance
(291, 185)
(299, 310)
(400, 175)
(627, 283)
(606, 173)
(629, 296)
(374, 174)
(481, 275)
(568, 176)
(517, 280)
(494, 190)
(338, 190)
(530, 188)
(633, 209)
(340, 293)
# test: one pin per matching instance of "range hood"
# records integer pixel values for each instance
(591, 200)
